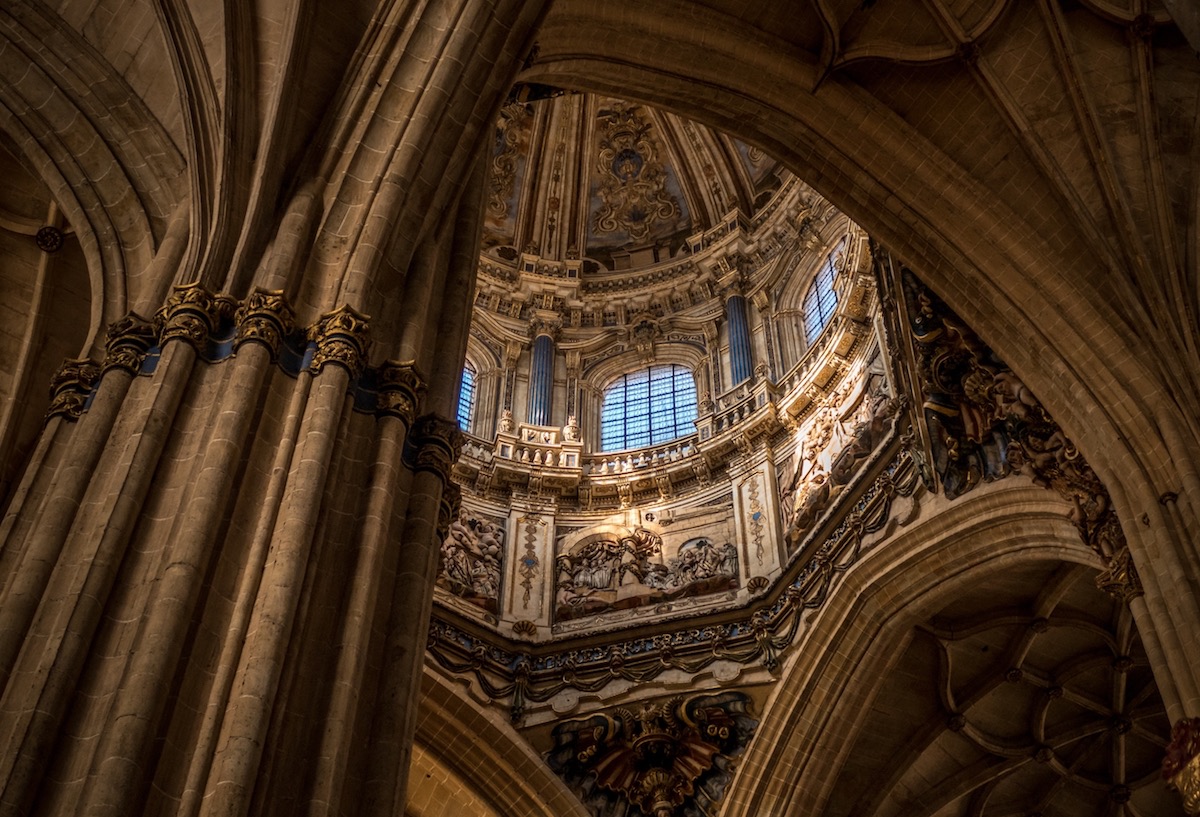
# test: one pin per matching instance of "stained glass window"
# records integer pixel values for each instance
(466, 398)
(648, 407)
(820, 301)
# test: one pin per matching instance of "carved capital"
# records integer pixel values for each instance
(1181, 764)
(542, 326)
(401, 387)
(190, 314)
(1119, 578)
(70, 387)
(129, 338)
(433, 445)
(264, 317)
(341, 338)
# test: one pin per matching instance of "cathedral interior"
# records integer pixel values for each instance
(699, 408)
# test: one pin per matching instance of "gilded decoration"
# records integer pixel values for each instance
(433, 445)
(264, 317)
(342, 338)
(632, 180)
(191, 314)
(618, 568)
(401, 389)
(985, 424)
(669, 759)
(1181, 765)
(71, 386)
(129, 339)
(471, 560)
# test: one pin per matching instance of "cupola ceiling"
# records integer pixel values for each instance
(615, 183)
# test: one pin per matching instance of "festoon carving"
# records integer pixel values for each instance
(265, 317)
(401, 388)
(191, 314)
(129, 339)
(70, 387)
(664, 759)
(341, 337)
(1181, 765)
(985, 424)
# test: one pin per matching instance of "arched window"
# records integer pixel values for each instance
(820, 300)
(648, 407)
(466, 398)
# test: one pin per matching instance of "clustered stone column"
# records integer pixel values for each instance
(217, 577)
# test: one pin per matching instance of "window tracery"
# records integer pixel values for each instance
(648, 407)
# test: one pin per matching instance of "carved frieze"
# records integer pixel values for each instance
(472, 557)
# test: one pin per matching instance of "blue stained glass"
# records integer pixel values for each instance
(648, 407)
(821, 299)
(466, 398)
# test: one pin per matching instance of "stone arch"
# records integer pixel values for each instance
(858, 151)
(951, 550)
(478, 746)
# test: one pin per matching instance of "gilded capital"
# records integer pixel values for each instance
(264, 317)
(190, 314)
(70, 387)
(342, 338)
(401, 388)
(129, 338)
(433, 445)
(1119, 578)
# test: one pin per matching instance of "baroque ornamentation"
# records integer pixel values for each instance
(264, 317)
(70, 387)
(659, 759)
(1120, 578)
(633, 183)
(764, 631)
(401, 388)
(129, 339)
(985, 424)
(471, 559)
(607, 572)
(341, 338)
(530, 567)
(1181, 765)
